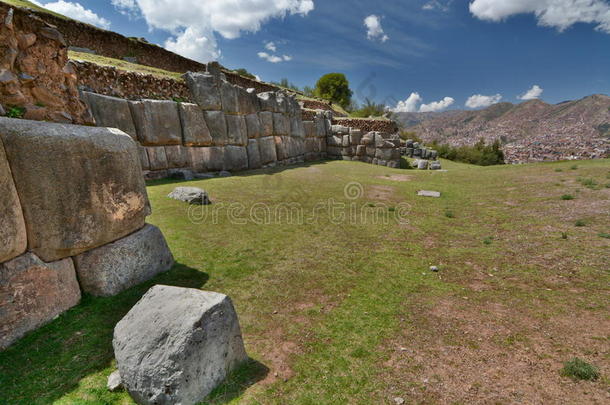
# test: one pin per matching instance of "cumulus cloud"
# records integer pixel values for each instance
(270, 46)
(481, 101)
(194, 24)
(437, 5)
(414, 104)
(75, 11)
(437, 105)
(531, 94)
(374, 30)
(126, 7)
(274, 58)
(560, 14)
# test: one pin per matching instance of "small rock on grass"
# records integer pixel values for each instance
(429, 193)
(433, 268)
(114, 381)
(191, 195)
(224, 173)
(399, 400)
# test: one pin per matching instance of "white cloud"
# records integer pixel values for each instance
(414, 104)
(274, 58)
(374, 29)
(560, 14)
(126, 7)
(270, 46)
(200, 21)
(481, 101)
(437, 105)
(408, 105)
(531, 94)
(195, 44)
(437, 5)
(76, 11)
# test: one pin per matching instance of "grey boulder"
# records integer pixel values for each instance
(191, 195)
(177, 344)
(112, 268)
(114, 381)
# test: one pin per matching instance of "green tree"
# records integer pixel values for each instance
(334, 87)
(244, 72)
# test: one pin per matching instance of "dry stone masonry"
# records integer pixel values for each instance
(73, 202)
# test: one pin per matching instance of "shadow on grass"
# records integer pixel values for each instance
(236, 384)
(49, 362)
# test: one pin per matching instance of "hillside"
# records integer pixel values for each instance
(530, 131)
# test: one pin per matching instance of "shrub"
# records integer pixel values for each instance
(567, 197)
(334, 87)
(578, 369)
(559, 170)
(604, 235)
(449, 214)
(564, 235)
(15, 112)
(245, 73)
(480, 154)
(590, 183)
(573, 167)
(580, 222)
(369, 109)
(404, 163)
(488, 240)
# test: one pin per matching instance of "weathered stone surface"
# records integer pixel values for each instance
(333, 150)
(32, 293)
(204, 88)
(355, 136)
(195, 130)
(144, 161)
(114, 382)
(157, 122)
(335, 140)
(13, 238)
(310, 129)
(422, 164)
(193, 334)
(267, 150)
(340, 130)
(281, 147)
(281, 124)
(117, 266)
(218, 127)
(254, 126)
(346, 141)
(196, 156)
(320, 121)
(383, 154)
(237, 130)
(111, 112)
(236, 158)
(435, 165)
(281, 102)
(79, 187)
(368, 139)
(266, 120)
(360, 150)
(429, 193)
(297, 128)
(267, 101)
(228, 94)
(156, 175)
(177, 157)
(214, 158)
(181, 174)
(247, 101)
(191, 195)
(254, 155)
(157, 158)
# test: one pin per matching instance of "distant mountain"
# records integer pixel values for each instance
(530, 131)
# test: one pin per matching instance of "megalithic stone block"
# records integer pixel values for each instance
(33, 293)
(111, 112)
(157, 122)
(205, 90)
(254, 126)
(217, 125)
(266, 120)
(13, 238)
(236, 158)
(116, 266)
(80, 187)
(195, 131)
(254, 155)
(267, 150)
(237, 131)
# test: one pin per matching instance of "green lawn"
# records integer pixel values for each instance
(343, 310)
(30, 5)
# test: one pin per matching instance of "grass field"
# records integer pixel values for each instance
(344, 310)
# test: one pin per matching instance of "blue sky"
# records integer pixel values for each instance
(445, 51)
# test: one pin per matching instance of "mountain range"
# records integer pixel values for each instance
(530, 131)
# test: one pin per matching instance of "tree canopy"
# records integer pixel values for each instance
(334, 87)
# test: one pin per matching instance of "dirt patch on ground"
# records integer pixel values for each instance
(380, 193)
(458, 351)
(396, 177)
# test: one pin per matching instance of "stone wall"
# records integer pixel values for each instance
(35, 75)
(368, 124)
(72, 219)
(377, 148)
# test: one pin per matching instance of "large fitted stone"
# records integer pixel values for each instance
(281, 124)
(254, 155)
(79, 187)
(177, 344)
(116, 266)
(267, 101)
(236, 158)
(196, 156)
(310, 128)
(177, 156)
(32, 293)
(157, 122)
(111, 112)
(254, 126)
(157, 158)
(217, 125)
(320, 121)
(266, 120)
(228, 94)
(237, 131)
(214, 158)
(195, 130)
(247, 101)
(204, 88)
(13, 238)
(281, 147)
(297, 128)
(144, 161)
(267, 150)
